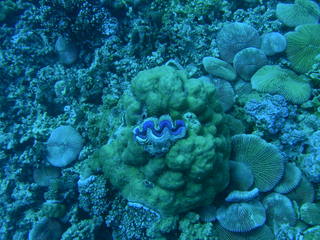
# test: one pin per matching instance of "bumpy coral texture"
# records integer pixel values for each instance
(194, 169)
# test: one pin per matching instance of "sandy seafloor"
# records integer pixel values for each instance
(69, 86)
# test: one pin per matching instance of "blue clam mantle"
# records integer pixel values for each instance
(157, 135)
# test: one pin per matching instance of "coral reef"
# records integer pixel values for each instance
(192, 229)
(93, 195)
(219, 68)
(241, 176)
(247, 61)
(242, 196)
(224, 93)
(290, 180)
(310, 213)
(279, 211)
(45, 228)
(164, 68)
(273, 43)
(310, 162)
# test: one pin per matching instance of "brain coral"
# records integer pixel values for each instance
(194, 169)
(303, 46)
(276, 80)
(234, 37)
(301, 12)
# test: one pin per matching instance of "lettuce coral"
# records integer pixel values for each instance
(193, 169)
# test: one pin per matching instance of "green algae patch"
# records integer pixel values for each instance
(195, 168)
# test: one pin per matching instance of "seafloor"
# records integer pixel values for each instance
(160, 120)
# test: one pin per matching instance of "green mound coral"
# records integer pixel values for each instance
(303, 46)
(194, 169)
(276, 80)
(301, 12)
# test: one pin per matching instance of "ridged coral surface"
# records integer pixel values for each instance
(303, 47)
(276, 80)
